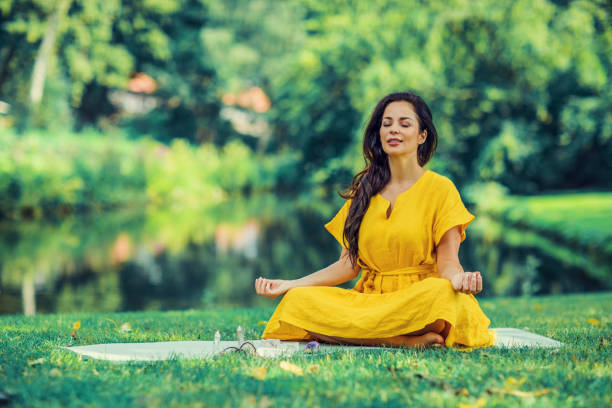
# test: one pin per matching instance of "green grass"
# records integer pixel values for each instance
(582, 219)
(35, 372)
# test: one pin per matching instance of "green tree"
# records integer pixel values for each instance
(520, 90)
(67, 42)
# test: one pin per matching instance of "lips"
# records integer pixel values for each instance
(393, 140)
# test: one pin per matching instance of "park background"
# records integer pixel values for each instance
(163, 154)
(156, 156)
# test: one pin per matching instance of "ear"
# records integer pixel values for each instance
(423, 136)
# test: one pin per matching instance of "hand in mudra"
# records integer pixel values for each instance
(271, 288)
(467, 282)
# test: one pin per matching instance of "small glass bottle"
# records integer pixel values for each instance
(217, 338)
(240, 334)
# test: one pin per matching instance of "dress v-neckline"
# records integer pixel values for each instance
(390, 209)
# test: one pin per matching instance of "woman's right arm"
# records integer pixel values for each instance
(339, 272)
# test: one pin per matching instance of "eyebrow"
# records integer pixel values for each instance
(402, 118)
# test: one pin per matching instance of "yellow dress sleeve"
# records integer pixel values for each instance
(336, 225)
(451, 212)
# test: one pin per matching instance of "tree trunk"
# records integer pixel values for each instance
(28, 294)
(39, 73)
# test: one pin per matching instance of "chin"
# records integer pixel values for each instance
(395, 152)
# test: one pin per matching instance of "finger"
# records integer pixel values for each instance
(268, 285)
(466, 283)
(460, 283)
(259, 282)
(478, 283)
(472, 282)
(456, 284)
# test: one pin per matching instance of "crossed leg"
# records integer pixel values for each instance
(433, 333)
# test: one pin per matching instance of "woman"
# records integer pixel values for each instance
(401, 226)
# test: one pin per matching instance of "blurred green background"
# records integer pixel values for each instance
(162, 154)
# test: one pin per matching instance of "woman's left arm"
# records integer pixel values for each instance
(449, 267)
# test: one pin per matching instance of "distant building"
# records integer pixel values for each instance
(138, 98)
(244, 111)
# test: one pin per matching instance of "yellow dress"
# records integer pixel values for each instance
(399, 290)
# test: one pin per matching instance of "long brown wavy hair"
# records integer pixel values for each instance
(371, 180)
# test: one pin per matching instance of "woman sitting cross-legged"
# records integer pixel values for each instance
(400, 226)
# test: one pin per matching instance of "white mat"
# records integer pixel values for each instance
(506, 338)
(510, 338)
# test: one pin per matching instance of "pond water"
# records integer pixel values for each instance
(198, 258)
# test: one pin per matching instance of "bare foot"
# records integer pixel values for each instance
(427, 340)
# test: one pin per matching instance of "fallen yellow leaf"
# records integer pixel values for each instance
(287, 366)
(593, 321)
(54, 372)
(36, 362)
(480, 402)
(543, 391)
(76, 325)
(262, 322)
(522, 394)
(313, 368)
(259, 373)
(250, 401)
(383, 396)
(264, 402)
(512, 382)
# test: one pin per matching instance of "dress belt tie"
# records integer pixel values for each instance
(370, 276)
(404, 271)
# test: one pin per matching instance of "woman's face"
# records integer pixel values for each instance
(399, 130)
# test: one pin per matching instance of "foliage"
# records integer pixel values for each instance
(56, 174)
(496, 75)
(35, 372)
(181, 44)
(40, 173)
(85, 50)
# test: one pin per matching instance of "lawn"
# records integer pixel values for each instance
(35, 372)
(582, 219)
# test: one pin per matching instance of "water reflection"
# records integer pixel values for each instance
(197, 258)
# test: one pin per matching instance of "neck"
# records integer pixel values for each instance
(404, 169)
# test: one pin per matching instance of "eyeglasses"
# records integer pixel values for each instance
(247, 348)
